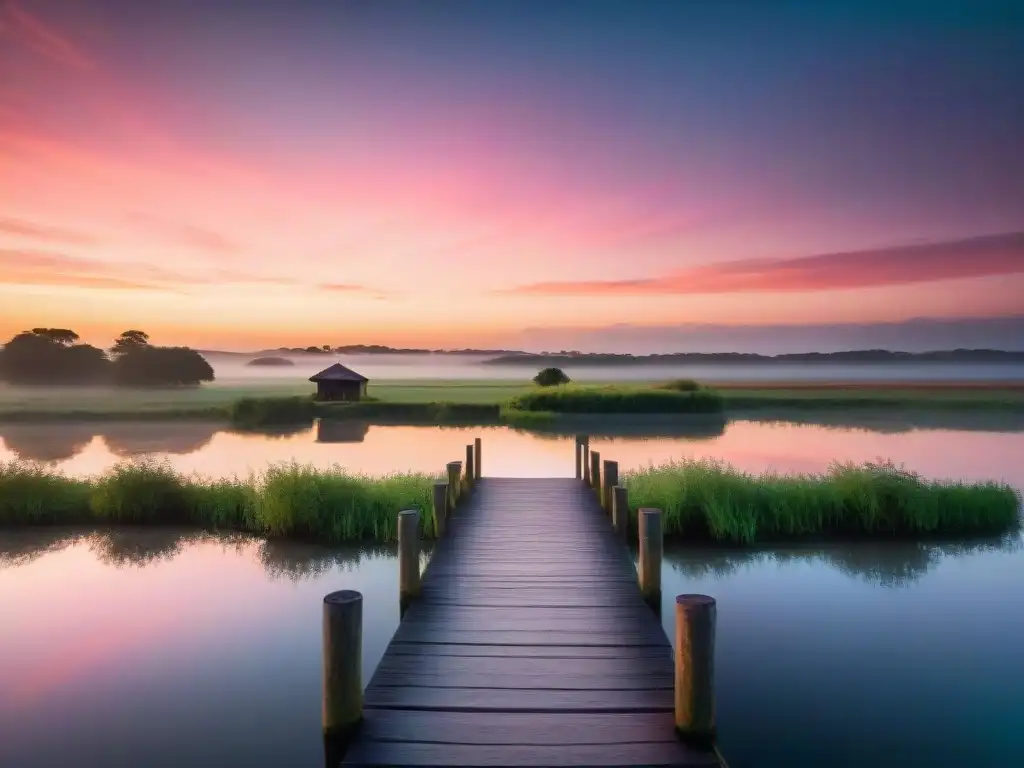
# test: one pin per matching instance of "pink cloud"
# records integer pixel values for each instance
(44, 232)
(983, 256)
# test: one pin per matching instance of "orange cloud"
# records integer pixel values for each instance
(28, 229)
(34, 267)
(983, 256)
(34, 33)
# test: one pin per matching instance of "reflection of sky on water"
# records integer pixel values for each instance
(82, 449)
(160, 647)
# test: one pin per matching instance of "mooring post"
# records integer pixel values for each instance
(650, 556)
(408, 555)
(620, 511)
(477, 444)
(585, 457)
(579, 457)
(611, 479)
(695, 667)
(342, 666)
(454, 472)
(595, 472)
(440, 508)
(467, 481)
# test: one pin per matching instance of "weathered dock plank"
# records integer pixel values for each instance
(529, 644)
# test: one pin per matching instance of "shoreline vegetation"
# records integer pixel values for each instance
(495, 402)
(701, 501)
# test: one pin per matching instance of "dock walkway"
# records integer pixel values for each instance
(530, 644)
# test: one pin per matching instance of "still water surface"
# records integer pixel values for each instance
(210, 449)
(128, 648)
(152, 647)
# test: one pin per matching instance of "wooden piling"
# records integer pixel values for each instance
(610, 480)
(595, 472)
(620, 511)
(585, 457)
(342, 664)
(651, 546)
(579, 457)
(467, 480)
(408, 554)
(695, 667)
(440, 508)
(477, 444)
(454, 473)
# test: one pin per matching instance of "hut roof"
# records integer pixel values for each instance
(338, 372)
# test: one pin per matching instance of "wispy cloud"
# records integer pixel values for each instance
(32, 267)
(353, 288)
(186, 235)
(41, 267)
(1001, 254)
(43, 232)
(34, 33)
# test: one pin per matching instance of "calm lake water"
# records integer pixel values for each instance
(88, 448)
(151, 647)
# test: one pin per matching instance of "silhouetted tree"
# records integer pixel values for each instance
(550, 377)
(128, 341)
(51, 356)
(149, 366)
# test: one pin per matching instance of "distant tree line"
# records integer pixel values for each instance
(55, 356)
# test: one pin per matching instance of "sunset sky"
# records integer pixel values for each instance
(254, 173)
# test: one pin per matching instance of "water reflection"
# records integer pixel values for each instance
(139, 547)
(332, 431)
(47, 442)
(682, 427)
(888, 420)
(883, 564)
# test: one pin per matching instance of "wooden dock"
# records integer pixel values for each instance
(529, 644)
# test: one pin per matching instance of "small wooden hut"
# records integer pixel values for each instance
(339, 383)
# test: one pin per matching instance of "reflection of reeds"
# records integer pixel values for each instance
(708, 499)
(135, 547)
(288, 500)
(886, 564)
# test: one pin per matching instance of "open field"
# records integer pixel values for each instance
(213, 400)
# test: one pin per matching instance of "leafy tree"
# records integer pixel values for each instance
(551, 377)
(51, 356)
(149, 366)
(128, 341)
(61, 336)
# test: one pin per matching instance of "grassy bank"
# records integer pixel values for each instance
(708, 500)
(287, 500)
(619, 399)
(466, 401)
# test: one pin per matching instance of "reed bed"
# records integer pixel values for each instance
(706, 499)
(285, 500)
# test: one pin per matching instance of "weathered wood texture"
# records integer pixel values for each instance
(530, 644)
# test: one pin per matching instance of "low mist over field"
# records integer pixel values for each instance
(234, 368)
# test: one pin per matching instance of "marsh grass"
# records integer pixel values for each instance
(617, 399)
(286, 500)
(704, 499)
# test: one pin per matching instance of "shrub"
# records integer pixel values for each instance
(551, 377)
